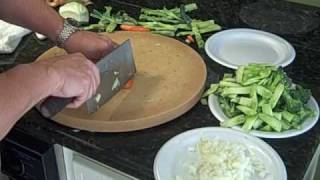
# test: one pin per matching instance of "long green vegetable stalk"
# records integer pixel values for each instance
(108, 21)
(168, 13)
(178, 21)
(168, 22)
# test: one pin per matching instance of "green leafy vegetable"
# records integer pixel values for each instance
(261, 97)
(169, 22)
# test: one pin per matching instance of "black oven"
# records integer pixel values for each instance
(24, 157)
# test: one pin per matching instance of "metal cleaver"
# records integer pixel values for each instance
(115, 70)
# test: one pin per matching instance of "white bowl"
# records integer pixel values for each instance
(305, 126)
(174, 154)
(241, 46)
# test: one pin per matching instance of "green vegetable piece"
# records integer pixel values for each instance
(246, 110)
(276, 80)
(96, 14)
(237, 90)
(287, 116)
(230, 80)
(254, 98)
(111, 27)
(277, 115)
(245, 101)
(265, 73)
(285, 125)
(210, 28)
(276, 95)
(301, 93)
(229, 84)
(266, 109)
(227, 75)
(257, 124)
(195, 30)
(263, 82)
(204, 101)
(233, 96)
(228, 107)
(266, 128)
(159, 19)
(239, 74)
(183, 26)
(237, 120)
(94, 26)
(188, 8)
(262, 102)
(108, 10)
(251, 81)
(158, 26)
(264, 92)
(249, 122)
(213, 88)
(161, 13)
(292, 105)
(165, 33)
(184, 16)
(271, 121)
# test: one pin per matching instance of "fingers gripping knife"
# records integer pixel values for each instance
(115, 70)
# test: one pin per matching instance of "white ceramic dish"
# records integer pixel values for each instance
(174, 154)
(241, 46)
(306, 125)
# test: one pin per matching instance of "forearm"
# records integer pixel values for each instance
(32, 14)
(21, 88)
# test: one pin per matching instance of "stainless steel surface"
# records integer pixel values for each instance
(80, 167)
(115, 70)
(315, 3)
(313, 171)
(58, 149)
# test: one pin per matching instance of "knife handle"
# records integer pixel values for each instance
(52, 105)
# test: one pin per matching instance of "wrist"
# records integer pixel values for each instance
(34, 81)
(56, 28)
(69, 27)
(50, 79)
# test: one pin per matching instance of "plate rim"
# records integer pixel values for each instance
(261, 134)
(253, 139)
(250, 30)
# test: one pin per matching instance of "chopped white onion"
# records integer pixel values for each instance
(224, 160)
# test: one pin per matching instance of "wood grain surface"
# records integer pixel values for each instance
(169, 81)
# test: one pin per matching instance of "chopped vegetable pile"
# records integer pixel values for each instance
(219, 159)
(169, 22)
(261, 97)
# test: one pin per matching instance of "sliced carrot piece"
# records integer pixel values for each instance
(189, 39)
(127, 27)
(128, 85)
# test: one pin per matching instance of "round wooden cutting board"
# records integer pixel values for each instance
(169, 81)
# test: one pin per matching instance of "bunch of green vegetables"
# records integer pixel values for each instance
(176, 22)
(108, 21)
(261, 97)
(169, 22)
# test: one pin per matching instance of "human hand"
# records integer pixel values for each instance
(92, 45)
(72, 75)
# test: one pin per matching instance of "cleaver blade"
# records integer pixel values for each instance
(115, 70)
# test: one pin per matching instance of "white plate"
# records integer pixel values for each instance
(173, 155)
(305, 126)
(241, 46)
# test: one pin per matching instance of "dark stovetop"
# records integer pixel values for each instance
(134, 152)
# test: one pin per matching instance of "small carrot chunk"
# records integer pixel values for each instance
(127, 27)
(128, 85)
